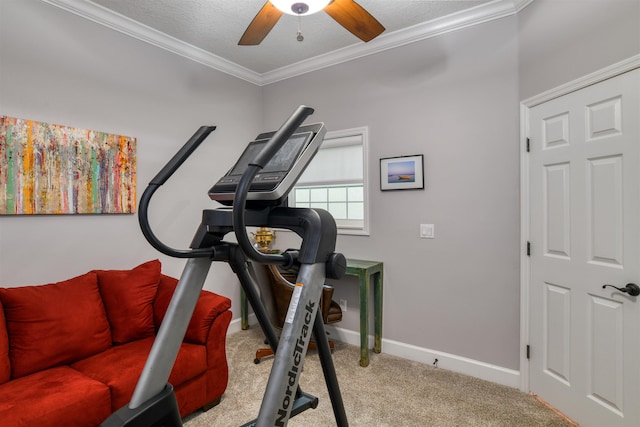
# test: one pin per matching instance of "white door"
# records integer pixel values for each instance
(584, 202)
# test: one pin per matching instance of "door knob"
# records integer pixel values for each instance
(631, 289)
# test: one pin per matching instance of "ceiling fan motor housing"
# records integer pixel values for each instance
(299, 8)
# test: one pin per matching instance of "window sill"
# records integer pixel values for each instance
(353, 232)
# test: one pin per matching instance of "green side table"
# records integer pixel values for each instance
(365, 271)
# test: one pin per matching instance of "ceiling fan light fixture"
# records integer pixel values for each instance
(300, 8)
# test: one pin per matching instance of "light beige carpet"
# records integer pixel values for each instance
(390, 392)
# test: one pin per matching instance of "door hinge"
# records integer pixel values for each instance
(528, 146)
(528, 351)
(528, 248)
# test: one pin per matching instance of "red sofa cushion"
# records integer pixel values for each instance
(208, 307)
(54, 324)
(5, 366)
(52, 398)
(121, 366)
(128, 297)
(166, 288)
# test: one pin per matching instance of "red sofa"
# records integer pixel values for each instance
(71, 352)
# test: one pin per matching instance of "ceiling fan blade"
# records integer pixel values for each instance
(355, 18)
(263, 22)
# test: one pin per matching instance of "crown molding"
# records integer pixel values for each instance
(110, 19)
(518, 5)
(598, 76)
(456, 21)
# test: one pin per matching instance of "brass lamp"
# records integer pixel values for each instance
(264, 237)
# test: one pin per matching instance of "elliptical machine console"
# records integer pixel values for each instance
(279, 175)
(254, 191)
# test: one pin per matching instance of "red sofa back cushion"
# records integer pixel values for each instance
(54, 324)
(5, 366)
(208, 307)
(128, 297)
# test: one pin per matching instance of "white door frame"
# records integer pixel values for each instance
(580, 83)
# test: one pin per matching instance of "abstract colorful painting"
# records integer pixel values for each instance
(53, 169)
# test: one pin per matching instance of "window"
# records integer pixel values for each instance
(336, 180)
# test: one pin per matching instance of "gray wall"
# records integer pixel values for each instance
(453, 98)
(60, 68)
(562, 40)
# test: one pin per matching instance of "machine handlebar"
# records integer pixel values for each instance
(178, 159)
(275, 143)
(165, 173)
(238, 214)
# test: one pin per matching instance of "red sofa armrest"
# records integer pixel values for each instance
(208, 308)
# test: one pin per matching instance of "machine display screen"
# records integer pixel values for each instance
(281, 162)
(271, 184)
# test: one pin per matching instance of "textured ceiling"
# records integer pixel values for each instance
(216, 26)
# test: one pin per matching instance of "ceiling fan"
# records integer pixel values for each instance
(347, 13)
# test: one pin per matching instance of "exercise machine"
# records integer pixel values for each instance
(253, 193)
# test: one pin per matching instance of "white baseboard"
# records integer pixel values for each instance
(451, 362)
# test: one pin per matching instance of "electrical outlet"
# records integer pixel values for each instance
(343, 305)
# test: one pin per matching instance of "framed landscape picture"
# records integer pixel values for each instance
(402, 173)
